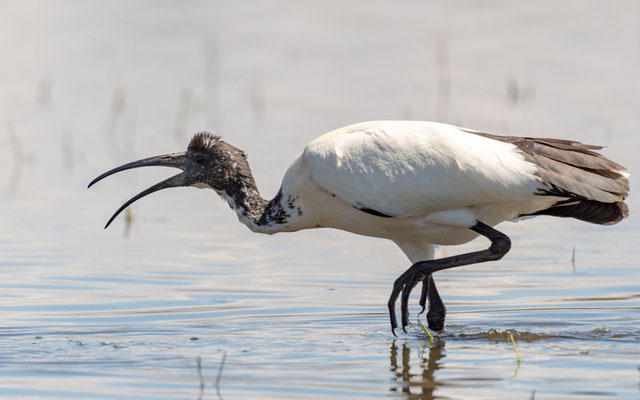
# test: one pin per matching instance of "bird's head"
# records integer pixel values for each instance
(208, 162)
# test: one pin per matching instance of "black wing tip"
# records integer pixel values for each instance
(622, 212)
(591, 211)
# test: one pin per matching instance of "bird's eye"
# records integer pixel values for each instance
(199, 158)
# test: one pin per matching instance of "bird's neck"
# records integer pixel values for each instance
(258, 214)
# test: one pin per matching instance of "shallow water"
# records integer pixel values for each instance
(127, 312)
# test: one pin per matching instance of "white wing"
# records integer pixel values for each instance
(412, 168)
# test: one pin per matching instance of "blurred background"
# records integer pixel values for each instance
(87, 85)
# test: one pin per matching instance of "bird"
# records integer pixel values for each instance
(419, 184)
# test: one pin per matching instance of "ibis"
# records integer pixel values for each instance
(419, 184)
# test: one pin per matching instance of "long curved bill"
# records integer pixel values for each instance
(175, 160)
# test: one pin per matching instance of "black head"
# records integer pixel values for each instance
(208, 162)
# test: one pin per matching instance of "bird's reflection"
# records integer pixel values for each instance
(416, 379)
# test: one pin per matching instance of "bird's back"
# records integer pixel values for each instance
(413, 168)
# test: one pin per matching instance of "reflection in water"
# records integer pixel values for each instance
(201, 379)
(421, 383)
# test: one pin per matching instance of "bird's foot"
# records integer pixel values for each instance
(436, 317)
(404, 284)
(437, 311)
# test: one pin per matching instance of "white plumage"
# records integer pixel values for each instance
(416, 168)
(432, 178)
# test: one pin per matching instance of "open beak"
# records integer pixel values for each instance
(175, 160)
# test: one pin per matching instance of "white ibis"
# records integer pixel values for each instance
(419, 184)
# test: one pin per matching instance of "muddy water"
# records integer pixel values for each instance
(128, 312)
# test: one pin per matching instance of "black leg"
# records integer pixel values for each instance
(437, 311)
(426, 286)
(500, 245)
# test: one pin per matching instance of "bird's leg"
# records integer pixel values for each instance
(437, 311)
(426, 285)
(500, 245)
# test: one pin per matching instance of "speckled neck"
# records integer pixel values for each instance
(258, 214)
